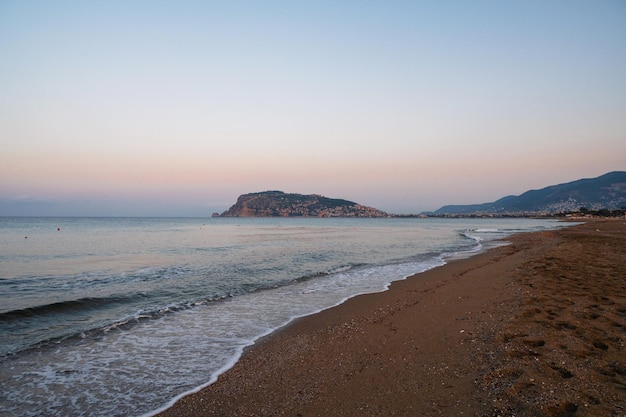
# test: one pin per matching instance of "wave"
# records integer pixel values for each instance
(481, 235)
(335, 270)
(65, 307)
(86, 304)
(71, 320)
(90, 317)
(467, 234)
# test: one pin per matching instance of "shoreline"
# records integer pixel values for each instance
(442, 342)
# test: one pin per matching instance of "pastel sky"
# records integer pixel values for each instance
(177, 107)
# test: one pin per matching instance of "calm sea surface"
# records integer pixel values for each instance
(120, 316)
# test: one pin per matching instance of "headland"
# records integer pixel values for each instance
(280, 204)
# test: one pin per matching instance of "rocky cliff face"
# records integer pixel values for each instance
(280, 204)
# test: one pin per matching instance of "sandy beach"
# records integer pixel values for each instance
(534, 328)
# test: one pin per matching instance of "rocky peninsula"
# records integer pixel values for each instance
(280, 204)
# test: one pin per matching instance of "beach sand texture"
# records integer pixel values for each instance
(535, 328)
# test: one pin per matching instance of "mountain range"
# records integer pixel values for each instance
(604, 192)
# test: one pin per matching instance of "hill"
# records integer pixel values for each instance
(605, 192)
(280, 204)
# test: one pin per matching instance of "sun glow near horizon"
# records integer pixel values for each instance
(403, 106)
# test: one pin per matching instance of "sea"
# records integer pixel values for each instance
(123, 316)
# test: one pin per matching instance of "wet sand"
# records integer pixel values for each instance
(535, 328)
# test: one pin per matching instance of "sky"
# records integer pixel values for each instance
(175, 108)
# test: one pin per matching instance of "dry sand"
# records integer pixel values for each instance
(535, 328)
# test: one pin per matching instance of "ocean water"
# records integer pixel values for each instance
(122, 316)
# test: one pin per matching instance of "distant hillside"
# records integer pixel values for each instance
(280, 204)
(605, 192)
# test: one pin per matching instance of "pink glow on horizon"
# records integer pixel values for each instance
(406, 108)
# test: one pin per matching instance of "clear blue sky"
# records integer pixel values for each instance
(177, 107)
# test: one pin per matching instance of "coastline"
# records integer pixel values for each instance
(478, 336)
